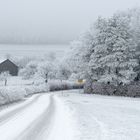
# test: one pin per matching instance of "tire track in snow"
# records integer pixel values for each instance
(53, 124)
(101, 131)
(42, 123)
(6, 117)
(103, 134)
(63, 127)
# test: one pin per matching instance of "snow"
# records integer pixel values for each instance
(70, 115)
(105, 118)
(28, 115)
(2, 60)
(63, 125)
(18, 88)
(10, 94)
(17, 81)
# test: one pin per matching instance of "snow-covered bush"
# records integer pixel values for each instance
(133, 89)
(30, 90)
(130, 90)
(41, 68)
(11, 94)
(29, 71)
(103, 89)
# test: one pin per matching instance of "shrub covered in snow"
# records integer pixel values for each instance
(133, 90)
(11, 94)
(30, 90)
(130, 90)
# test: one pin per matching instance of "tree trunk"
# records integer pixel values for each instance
(5, 82)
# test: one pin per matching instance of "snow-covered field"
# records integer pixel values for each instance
(16, 81)
(69, 115)
(105, 118)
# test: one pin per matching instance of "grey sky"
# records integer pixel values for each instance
(52, 21)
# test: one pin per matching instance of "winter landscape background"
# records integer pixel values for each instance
(69, 70)
(27, 50)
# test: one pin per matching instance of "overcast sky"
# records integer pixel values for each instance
(52, 21)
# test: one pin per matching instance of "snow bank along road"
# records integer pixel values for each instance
(72, 116)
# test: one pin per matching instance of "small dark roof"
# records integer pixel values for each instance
(7, 60)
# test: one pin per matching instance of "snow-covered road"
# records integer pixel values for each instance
(72, 116)
(41, 117)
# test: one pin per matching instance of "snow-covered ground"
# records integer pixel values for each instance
(105, 118)
(16, 81)
(69, 115)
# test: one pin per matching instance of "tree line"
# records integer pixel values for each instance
(109, 52)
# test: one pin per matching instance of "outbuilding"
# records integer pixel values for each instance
(9, 66)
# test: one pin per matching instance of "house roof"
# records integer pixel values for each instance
(2, 61)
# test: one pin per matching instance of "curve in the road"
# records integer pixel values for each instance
(41, 124)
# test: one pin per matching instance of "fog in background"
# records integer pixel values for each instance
(52, 21)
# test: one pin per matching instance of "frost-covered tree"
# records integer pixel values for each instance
(134, 15)
(114, 51)
(78, 57)
(45, 70)
(30, 70)
(63, 72)
(23, 61)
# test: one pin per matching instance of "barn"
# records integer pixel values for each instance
(9, 66)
